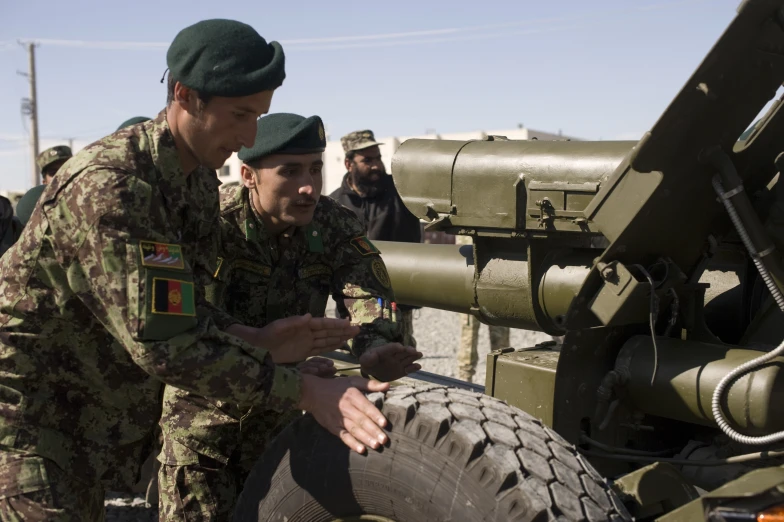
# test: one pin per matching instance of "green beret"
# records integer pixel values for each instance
(284, 133)
(26, 205)
(225, 58)
(133, 121)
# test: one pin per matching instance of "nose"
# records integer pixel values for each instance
(306, 189)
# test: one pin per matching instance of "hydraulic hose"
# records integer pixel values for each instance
(718, 414)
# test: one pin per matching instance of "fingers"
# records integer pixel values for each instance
(327, 323)
(405, 355)
(407, 361)
(351, 442)
(370, 386)
(321, 360)
(411, 368)
(344, 333)
(365, 420)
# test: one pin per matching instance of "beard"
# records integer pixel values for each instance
(365, 186)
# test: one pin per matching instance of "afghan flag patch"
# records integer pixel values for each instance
(172, 297)
(161, 255)
(364, 246)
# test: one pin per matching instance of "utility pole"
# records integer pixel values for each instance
(30, 108)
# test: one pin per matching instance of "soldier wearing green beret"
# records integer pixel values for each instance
(26, 205)
(102, 298)
(133, 121)
(284, 251)
(50, 161)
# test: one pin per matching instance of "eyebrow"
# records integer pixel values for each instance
(246, 109)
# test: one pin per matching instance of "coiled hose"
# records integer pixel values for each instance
(718, 415)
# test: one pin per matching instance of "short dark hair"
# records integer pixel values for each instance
(204, 98)
(350, 155)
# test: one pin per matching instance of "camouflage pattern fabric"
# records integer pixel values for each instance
(34, 489)
(49, 156)
(102, 298)
(260, 279)
(407, 328)
(358, 140)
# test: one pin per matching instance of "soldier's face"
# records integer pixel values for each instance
(287, 188)
(213, 131)
(50, 170)
(366, 169)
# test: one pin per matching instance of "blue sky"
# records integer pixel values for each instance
(596, 70)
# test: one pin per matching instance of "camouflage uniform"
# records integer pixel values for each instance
(210, 446)
(101, 299)
(383, 214)
(467, 356)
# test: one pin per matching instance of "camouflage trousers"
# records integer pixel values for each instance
(407, 327)
(209, 448)
(34, 489)
(467, 356)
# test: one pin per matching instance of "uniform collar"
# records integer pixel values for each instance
(309, 237)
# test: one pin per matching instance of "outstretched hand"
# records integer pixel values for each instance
(341, 408)
(294, 339)
(318, 366)
(390, 361)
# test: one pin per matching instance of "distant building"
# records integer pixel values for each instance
(334, 156)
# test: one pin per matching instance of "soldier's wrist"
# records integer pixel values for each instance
(287, 388)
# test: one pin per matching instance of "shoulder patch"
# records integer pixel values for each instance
(161, 255)
(250, 266)
(380, 273)
(364, 246)
(172, 297)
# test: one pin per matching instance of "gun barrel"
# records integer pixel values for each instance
(435, 276)
(505, 291)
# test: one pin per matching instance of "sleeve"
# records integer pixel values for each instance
(150, 306)
(215, 285)
(362, 290)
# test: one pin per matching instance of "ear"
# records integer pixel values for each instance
(248, 176)
(347, 163)
(183, 95)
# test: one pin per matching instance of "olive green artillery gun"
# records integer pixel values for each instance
(659, 265)
(658, 261)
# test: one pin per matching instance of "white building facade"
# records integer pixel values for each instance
(334, 168)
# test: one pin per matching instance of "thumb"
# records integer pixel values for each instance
(369, 385)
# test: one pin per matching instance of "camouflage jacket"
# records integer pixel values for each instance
(102, 298)
(262, 278)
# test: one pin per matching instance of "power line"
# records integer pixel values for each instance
(303, 44)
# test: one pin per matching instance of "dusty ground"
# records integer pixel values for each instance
(437, 334)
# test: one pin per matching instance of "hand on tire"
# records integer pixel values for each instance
(294, 339)
(341, 408)
(318, 366)
(390, 361)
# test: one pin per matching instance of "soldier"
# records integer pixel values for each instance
(467, 355)
(133, 121)
(284, 251)
(50, 161)
(101, 299)
(26, 205)
(370, 192)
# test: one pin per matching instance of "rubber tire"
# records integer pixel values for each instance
(453, 455)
